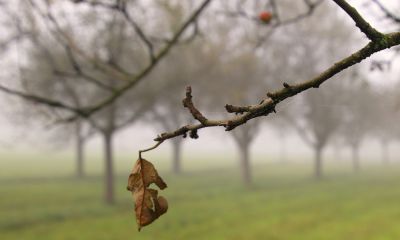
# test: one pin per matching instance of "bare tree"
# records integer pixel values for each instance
(59, 77)
(318, 114)
(273, 98)
(358, 115)
(169, 119)
(168, 114)
(387, 12)
(103, 63)
(41, 75)
(226, 67)
(121, 7)
(242, 66)
(171, 76)
(385, 128)
(64, 22)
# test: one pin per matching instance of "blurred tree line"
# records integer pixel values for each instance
(224, 64)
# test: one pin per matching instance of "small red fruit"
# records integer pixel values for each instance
(265, 16)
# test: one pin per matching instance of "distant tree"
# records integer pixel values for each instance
(169, 113)
(317, 115)
(41, 75)
(359, 111)
(244, 67)
(236, 68)
(78, 26)
(181, 68)
(386, 128)
(53, 70)
(320, 47)
(320, 117)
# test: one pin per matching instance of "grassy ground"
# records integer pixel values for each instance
(285, 203)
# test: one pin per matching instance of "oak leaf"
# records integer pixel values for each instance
(148, 205)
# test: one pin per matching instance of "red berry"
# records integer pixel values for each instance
(265, 16)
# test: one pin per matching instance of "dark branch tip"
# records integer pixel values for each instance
(189, 92)
(193, 134)
(228, 108)
(286, 85)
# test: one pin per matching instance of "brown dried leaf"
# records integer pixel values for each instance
(148, 205)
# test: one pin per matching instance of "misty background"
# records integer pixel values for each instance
(311, 164)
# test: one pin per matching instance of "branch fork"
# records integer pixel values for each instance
(378, 42)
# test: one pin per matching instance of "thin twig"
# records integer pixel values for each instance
(387, 12)
(131, 80)
(149, 149)
(361, 23)
(267, 105)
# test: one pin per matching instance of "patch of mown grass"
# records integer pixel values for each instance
(285, 203)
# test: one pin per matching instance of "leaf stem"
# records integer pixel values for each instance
(149, 149)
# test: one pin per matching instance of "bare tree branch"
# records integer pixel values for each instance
(131, 80)
(279, 23)
(72, 47)
(386, 11)
(140, 32)
(111, 6)
(276, 21)
(187, 103)
(16, 37)
(378, 43)
(149, 149)
(137, 78)
(74, 63)
(41, 100)
(361, 23)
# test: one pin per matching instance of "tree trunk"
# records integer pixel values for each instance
(108, 168)
(245, 164)
(356, 160)
(385, 152)
(80, 142)
(243, 138)
(318, 163)
(176, 156)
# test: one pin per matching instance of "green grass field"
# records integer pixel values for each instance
(39, 200)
